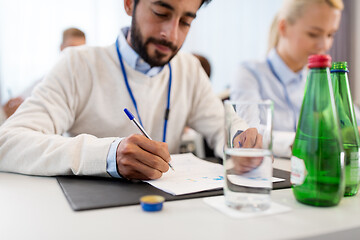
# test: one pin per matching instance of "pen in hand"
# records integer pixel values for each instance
(133, 119)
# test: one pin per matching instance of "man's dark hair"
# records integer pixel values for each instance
(203, 1)
(206, 2)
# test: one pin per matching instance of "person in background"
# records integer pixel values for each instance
(192, 141)
(204, 63)
(9, 108)
(71, 37)
(301, 28)
(84, 95)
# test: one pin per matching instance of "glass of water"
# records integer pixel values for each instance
(248, 155)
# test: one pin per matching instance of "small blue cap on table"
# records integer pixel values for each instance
(152, 203)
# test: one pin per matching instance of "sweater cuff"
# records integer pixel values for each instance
(111, 165)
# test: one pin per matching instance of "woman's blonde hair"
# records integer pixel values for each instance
(293, 10)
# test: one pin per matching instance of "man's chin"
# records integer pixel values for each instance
(159, 62)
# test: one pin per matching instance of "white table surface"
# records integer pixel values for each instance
(36, 208)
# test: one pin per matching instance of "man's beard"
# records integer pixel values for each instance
(141, 47)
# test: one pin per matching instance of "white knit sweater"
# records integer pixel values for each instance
(2, 115)
(84, 95)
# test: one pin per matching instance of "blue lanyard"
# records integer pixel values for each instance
(286, 93)
(167, 111)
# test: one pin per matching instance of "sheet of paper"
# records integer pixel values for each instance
(275, 179)
(191, 175)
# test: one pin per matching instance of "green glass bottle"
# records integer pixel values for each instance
(348, 125)
(317, 162)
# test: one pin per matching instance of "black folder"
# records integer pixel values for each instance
(85, 193)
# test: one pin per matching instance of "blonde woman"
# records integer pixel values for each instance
(300, 29)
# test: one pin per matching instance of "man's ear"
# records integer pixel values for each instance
(129, 6)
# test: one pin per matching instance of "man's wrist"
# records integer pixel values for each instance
(111, 163)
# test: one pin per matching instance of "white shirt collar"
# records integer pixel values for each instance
(132, 58)
(282, 70)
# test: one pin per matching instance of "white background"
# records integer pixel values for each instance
(226, 32)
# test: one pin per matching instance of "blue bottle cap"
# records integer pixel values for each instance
(152, 203)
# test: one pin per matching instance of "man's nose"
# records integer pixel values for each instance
(170, 31)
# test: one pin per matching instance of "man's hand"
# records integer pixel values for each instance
(11, 106)
(247, 139)
(138, 157)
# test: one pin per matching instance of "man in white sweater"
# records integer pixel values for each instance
(85, 93)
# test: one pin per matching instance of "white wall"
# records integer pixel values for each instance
(31, 32)
(226, 32)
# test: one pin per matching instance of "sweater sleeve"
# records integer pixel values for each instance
(2, 115)
(32, 141)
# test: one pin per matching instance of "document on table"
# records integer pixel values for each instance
(191, 175)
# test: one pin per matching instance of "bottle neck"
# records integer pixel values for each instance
(345, 108)
(319, 73)
(320, 69)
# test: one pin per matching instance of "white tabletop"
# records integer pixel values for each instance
(36, 208)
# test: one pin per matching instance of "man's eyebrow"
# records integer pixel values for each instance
(168, 6)
(190, 14)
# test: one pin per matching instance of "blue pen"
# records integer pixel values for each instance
(133, 119)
